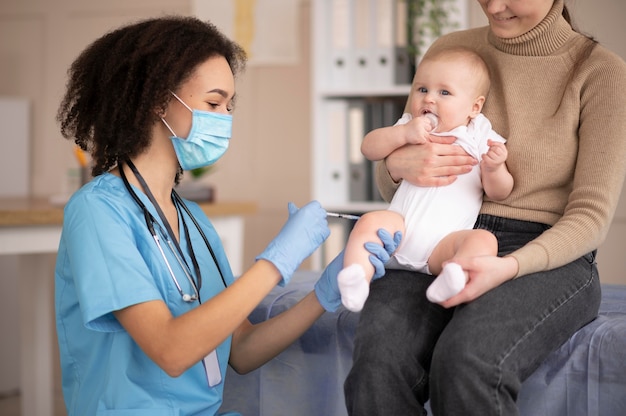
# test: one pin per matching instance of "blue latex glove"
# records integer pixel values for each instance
(305, 229)
(327, 289)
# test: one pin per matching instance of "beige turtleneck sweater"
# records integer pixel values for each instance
(566, 136)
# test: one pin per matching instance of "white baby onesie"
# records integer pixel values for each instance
(431, 213)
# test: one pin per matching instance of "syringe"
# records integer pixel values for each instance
(344, 216)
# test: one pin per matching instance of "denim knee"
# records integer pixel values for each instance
(394, 340)
(465, 381)
(494, 343)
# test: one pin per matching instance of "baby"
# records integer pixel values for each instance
(449, 91)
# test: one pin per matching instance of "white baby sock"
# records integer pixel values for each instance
(450, 281)
(353, 287)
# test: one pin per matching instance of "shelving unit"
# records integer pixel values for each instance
(359, 58)
(350, 38)
(343, 72)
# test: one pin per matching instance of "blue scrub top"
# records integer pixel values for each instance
(108, 260)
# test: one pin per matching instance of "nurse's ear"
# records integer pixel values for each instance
(160, 112)
(161, 109)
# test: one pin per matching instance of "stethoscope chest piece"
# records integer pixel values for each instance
(188, 298)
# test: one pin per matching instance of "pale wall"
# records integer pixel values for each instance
(269, 157)
(268, 161)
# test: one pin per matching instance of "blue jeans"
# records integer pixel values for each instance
(472, 359)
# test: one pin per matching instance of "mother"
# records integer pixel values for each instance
(557, 96)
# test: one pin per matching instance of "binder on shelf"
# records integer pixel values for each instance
(393, 108)
(376, 120)
(359, 178)
(333, 186)
(381, 112)
(348, 102)
(383, 45)
(366, 43)
(361, 61)
(390, 62)
(339, 41)
(403, 68)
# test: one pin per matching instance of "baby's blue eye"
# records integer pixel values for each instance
(422, 90)
(445, 92)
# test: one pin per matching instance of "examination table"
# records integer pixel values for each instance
(585, 377)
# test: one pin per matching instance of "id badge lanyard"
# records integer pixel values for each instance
(211, 361)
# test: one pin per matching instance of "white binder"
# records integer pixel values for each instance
(361, 59)
(359, 175)
(333, 183)
(339, 41)
(383, 44)
(390, 62)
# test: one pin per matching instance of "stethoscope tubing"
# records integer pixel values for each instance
(167, 263)
(150, 221)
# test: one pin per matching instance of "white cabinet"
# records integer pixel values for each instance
(359, 63)
(359, 71)
(361, 74)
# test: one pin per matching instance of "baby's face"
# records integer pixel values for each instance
(446, 88)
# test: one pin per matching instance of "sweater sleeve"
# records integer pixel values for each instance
(386, 185)
(599, 172)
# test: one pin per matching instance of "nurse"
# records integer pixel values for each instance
(148, 313)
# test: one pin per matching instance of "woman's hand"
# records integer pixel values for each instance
(484, 274)
(430, 164)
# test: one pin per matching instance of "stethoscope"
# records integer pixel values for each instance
(170, 237)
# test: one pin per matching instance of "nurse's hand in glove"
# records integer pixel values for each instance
(327, 289)
(305, 229)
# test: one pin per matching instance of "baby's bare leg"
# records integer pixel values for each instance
(355, 278)
(451, 278)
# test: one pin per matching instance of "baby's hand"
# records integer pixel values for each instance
(495, 156)
(417, 130)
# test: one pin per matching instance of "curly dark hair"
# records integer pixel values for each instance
(121, 82)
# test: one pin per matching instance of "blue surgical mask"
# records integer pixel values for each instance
(207, 140)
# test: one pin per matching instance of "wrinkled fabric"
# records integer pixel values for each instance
(585, 376)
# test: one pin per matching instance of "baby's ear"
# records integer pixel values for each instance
(477, 107)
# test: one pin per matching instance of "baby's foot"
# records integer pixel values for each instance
(353, 287)
(450, 281)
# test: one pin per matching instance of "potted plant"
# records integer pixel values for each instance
(194, 188)
(426, 21)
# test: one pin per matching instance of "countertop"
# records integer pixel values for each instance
(39, 211)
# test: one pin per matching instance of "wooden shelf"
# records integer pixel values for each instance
(39, 211)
